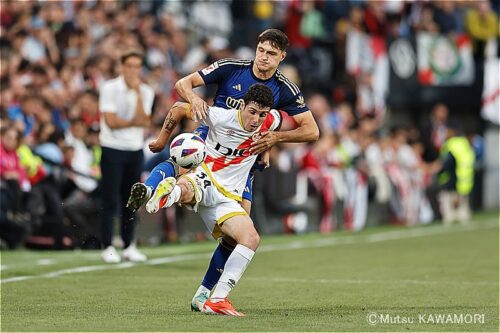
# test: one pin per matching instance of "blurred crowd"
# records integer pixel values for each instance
(56, 54)
(355, 164)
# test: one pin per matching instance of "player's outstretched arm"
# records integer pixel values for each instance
(178, 111)
(184, 88)
(307, 131)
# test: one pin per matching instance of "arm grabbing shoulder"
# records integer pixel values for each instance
(307, 131)
(185, 85)
(184, 88)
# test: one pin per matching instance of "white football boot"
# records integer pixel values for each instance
(161, 198)
(199, 300)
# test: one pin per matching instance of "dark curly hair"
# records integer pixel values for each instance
(275, 37)
(260, 94)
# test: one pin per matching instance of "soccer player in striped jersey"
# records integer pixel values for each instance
(233, 78)
(214, 190)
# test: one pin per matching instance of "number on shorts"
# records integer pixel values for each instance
(206, 182)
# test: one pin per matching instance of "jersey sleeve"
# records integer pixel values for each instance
(272, 121)
(291, 100)
(218, 71)
(277, 119)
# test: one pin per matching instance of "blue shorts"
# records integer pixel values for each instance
(247, 193)
(202, 131)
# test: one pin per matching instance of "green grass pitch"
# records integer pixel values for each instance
(396, 278)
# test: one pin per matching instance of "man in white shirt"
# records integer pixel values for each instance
(125, 104)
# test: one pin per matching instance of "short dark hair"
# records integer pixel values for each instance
(260, 94)
(131, 53)
(275, 37)
(38, 69)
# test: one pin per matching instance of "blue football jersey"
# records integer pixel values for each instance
(234, 78)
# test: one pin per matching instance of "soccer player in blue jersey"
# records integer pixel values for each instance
(233, 78)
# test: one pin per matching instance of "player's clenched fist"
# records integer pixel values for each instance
(157, 145)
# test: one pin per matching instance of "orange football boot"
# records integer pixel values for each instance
(223, 307)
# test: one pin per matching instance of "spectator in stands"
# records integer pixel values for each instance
(446, 17)
(55, 56)
(374, 18)
(482, 24)
(13, 182)
(434, 131)
(425, 21)
(88, 108)
(81, 204)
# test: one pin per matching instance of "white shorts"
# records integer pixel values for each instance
(213, 206)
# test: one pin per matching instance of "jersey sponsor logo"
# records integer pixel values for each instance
(210, 69)
(230, 156)
(234, 156)
(300, 101)
(226, 151)
(237, 87)
(234, 103)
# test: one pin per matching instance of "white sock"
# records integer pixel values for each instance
(233, 270)
(202, 290)
(173, 197)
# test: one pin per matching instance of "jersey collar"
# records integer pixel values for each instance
(258, 79)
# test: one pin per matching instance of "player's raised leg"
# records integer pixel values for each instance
(140, 193)
(241, 229)
(171, 191)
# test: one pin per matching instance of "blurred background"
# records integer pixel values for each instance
(385, 80)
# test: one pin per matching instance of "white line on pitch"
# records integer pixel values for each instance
(373, 238)
(278, 279)
(351, 281)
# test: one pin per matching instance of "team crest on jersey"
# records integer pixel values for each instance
(256, 137)
(230, 132)
(300, 101)
(210, 69)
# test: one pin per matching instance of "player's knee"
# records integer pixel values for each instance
(251, 240)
